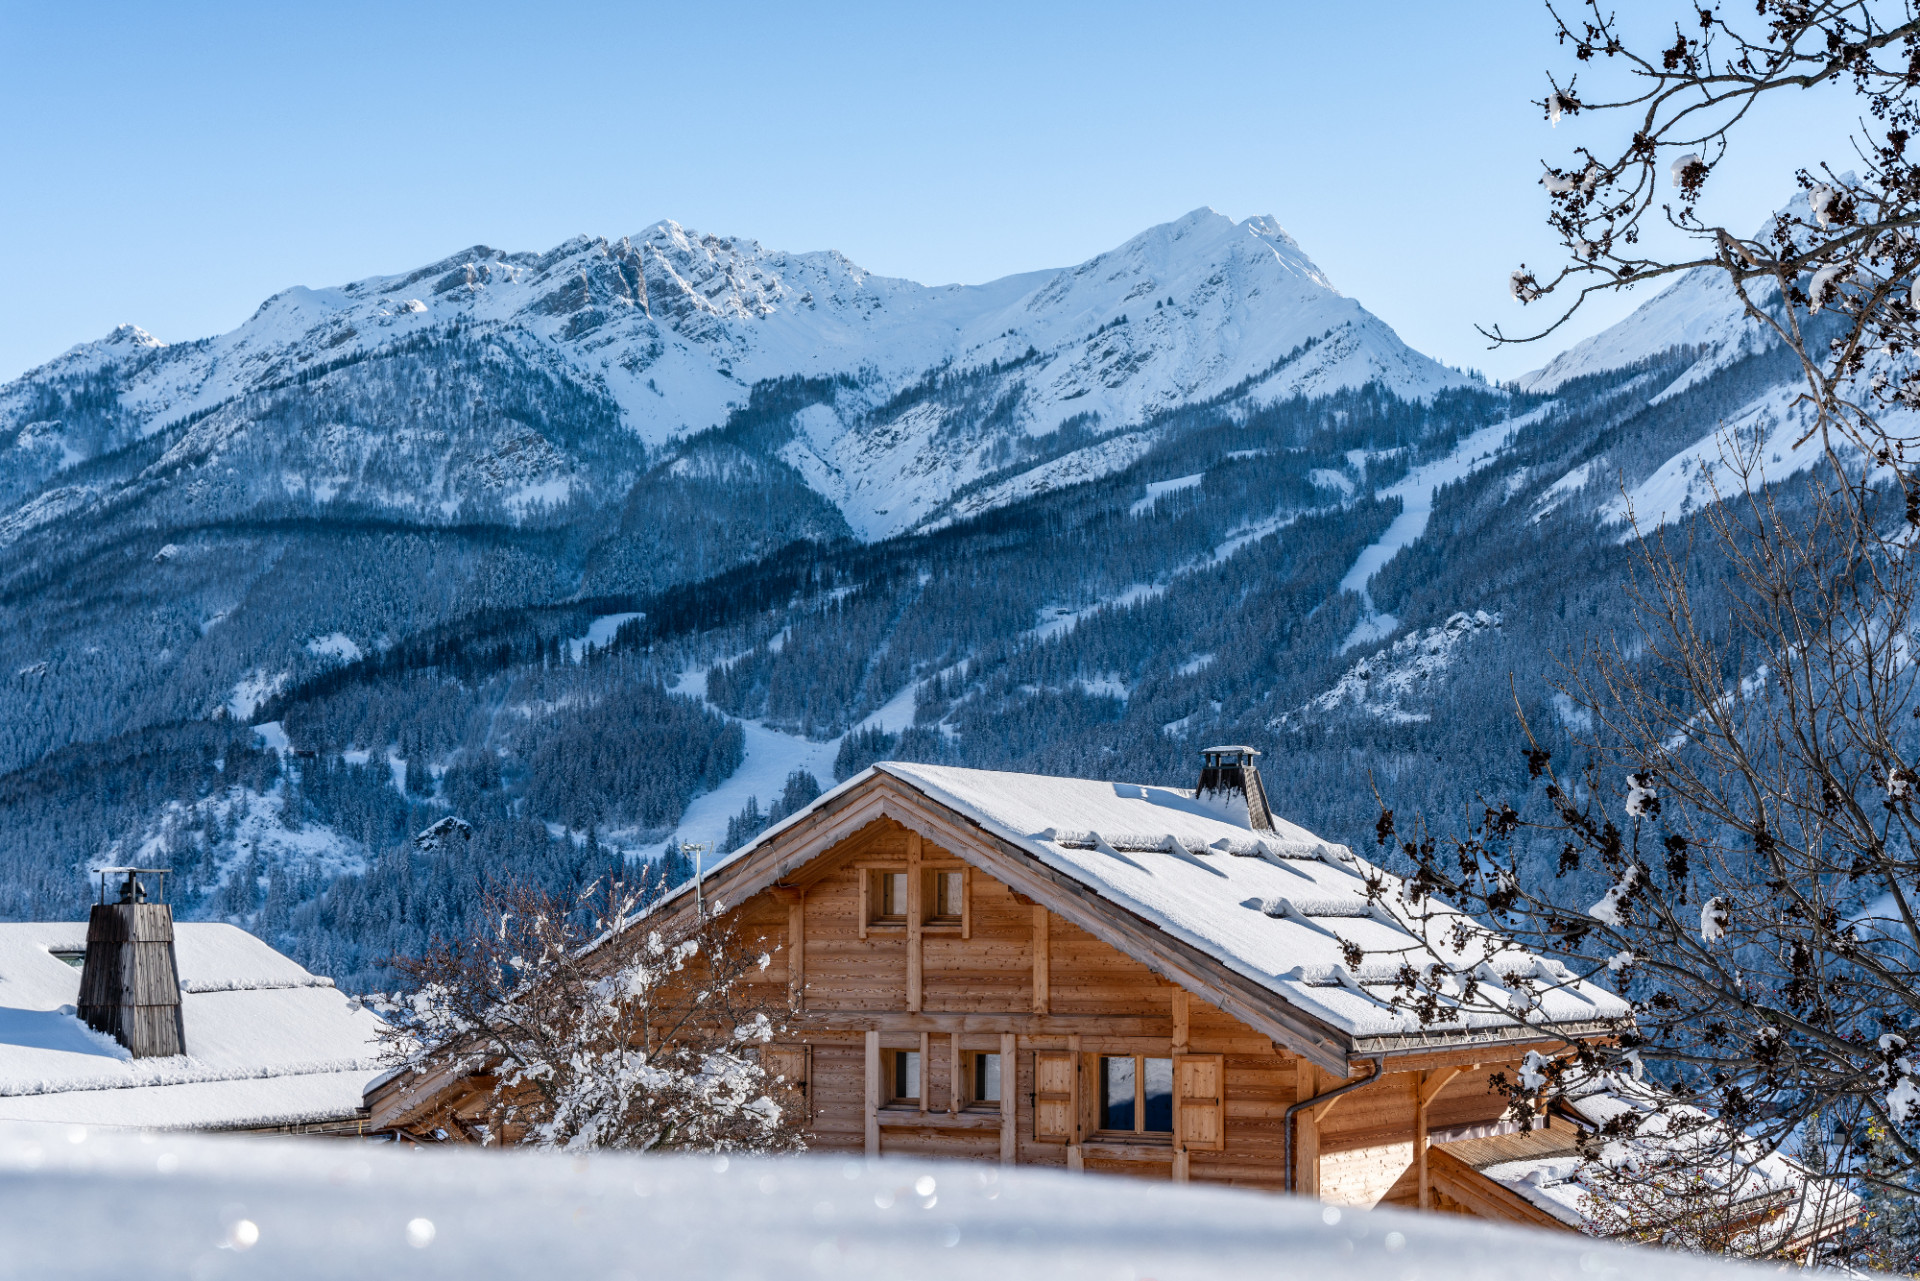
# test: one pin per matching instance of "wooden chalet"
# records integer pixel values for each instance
(1105, 977)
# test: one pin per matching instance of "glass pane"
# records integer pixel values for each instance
(1116, 1093)
(893, 894)
(947, 894)
(1159, 1090)
(986, 1078)
(906, 1074)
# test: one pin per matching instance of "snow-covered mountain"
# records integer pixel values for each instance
(675, 328)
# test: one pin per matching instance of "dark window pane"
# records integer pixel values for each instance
(1159, 1091)
(986, 1078)
(1116, 1093)
(906, 1074)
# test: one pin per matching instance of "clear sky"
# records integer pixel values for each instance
(172, 165)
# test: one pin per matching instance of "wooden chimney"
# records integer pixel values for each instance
(1230, 779)
(130, 982)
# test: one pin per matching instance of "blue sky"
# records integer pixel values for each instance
(173, 165)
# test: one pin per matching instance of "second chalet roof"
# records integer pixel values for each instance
(267, 1042)
(1275, 906)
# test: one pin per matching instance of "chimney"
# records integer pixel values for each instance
(130, 982)
(1230, 782)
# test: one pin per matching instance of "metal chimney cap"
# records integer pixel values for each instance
(131, 890)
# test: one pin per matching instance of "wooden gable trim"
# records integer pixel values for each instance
(883, 796)
(1483, 1197)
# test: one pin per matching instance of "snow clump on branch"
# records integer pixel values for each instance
(1642, 800)
(1608, 909)
(1714, 916)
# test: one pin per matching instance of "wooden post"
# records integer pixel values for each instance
(953, 1073)
(1075, 1161)
(1009, 1098)
(1181, 1169)
(926, 1069)
(1306, 1137)
(873, 1093)
(1042, 961)
(1427, 1088)
(797, 950)
(913, 936)
(966, 902)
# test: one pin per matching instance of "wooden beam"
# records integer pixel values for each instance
(1143, 1027)
(1306, 1137)
(1485, 1199)
(1439, 1079)
(1181, 1021)
(797, 951)
(873, 1094)
(1075, 1161)
(966, 902)
(953, 1072)
(1042, 961)
(1009, 1098)
(1427, 1087)
(926, 1069)
(914, 920)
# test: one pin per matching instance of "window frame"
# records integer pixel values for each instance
(970, 1099)
(930, 919)
(873, 897)
(1139, 1133)
(892, 1063)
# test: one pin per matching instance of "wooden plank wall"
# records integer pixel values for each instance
(982, 984)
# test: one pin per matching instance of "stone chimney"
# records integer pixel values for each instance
(1230, 782)
(130, 982)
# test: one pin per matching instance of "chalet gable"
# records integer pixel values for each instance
(1253, 922)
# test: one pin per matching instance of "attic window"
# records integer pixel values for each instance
(946, 896)
(887, 898)
(74, 958)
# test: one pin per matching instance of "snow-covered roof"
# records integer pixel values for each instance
(112, 1206)
(1275, 907)
(1547, 1169)
(267, 1042)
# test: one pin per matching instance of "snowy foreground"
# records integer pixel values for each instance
(75, 1203)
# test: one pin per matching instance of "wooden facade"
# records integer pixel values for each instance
(952, 997)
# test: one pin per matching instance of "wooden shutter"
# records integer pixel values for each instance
(795, 1064)
(1055, 1100)
(1200, 1101)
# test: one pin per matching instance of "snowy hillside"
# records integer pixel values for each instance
(95, 1204)
(675, 327)
(1698, 310)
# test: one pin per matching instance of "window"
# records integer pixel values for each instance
(905, 1076)
(887, 898)
(1136, 1094)
(986, 1078)
(947, 893)
(75, 959)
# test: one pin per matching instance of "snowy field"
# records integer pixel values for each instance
(101, 1204)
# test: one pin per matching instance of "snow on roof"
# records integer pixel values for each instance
(89, 1205)
(1273, 906)
(1546, 1167)
(267, 1042)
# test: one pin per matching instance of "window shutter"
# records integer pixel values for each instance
(1053, 1097)
(795, 1063)
(1200, 1101)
